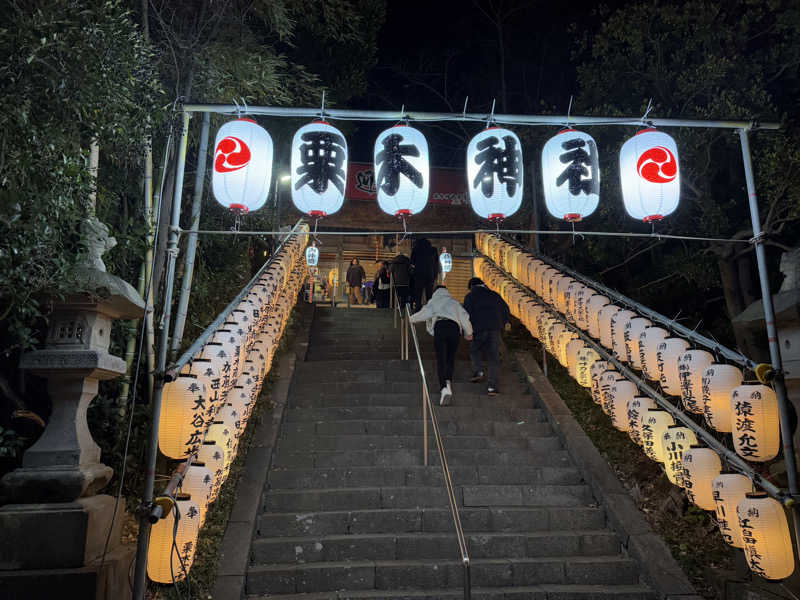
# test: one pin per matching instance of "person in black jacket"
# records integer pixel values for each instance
(380, 287)
(355, 277)
(488, 313)
(425, 263)
(401, 279)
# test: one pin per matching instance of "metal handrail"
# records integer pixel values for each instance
(427, 406)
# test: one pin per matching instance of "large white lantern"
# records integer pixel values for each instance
(667, 359)
(213, 456)
(312, 256)
(596, 371)
(619, 323)
(756, 427)
(649, 340)
(621, 393)
(700, 466)
(729, 489)
(692, 364)
(593, 307)
(654, 423)
(586, 358)
(675, 441)
(648, 166)
(319, 169)
(573, 349)
(183, 416)
(605, 383)
(638, 406)
(571, 175)
(719, 381)
(170, 553)
(765, 532)
(494, 173)
(402, 173)
(242, 165)
(633, 329)
(198, 482)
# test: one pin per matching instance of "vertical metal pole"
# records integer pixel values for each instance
(467, 582)
(544, 361)
(425, 422)
(140, 577)
(769, 317)
(191, 240)
(407, 332)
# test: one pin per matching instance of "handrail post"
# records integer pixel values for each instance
(406, 326)
(467, 581)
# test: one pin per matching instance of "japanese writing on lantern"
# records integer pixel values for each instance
(745, 425)
(580, 156)
(633, 419)
(505, 162)
(685, 382)
(393, 164)
(322, 159)
(722, 518)
(648, 439)
(751, 542)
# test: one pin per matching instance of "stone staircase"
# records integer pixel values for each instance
(349, 510)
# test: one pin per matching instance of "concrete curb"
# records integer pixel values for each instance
(659, 569)
(234, 551)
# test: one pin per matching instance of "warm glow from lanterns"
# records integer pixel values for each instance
(168, 557)
(402, 172)
(667, 359)
(675, 441)
(648, 166)
(756, 425)
(637, 407)
(495, 173)
(719, 381)
(318, 169)
(765, 532)
(621, 393)
(571, 175)
(183, 416)
(729, 489)
(692, 364)
(242, 165)
(700, 466)
(654, 423)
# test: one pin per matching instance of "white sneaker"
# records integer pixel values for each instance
(446, 395)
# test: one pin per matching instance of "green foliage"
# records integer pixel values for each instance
(10, 443)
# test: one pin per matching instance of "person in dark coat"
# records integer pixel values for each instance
(355, 277)
(399, 269)
(425, 263)
(381, 285)
(488, 313)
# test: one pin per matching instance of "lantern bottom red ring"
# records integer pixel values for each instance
(496, 217)
(653, 218)
(238, 208)
(402, 213)
(317, 213)
(573, 217)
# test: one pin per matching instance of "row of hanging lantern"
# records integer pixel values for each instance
(243, 157)
(206, 409)
(748, 520)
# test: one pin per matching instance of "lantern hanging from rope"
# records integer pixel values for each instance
(494, 173)
(183, 416)
(213, 456)
(619, 323)
(620, 395)
(242, 165)
(604, 324)
(571, 175)
(312, 255)
(170, 553)
(318, 169)
(638, 406)
(728, 490)
(700, 466)
(765, 532)
(675, 441)
(755, 421)
(596, 371)
(595, 304)
(585, 360)
(654, 423)
(692, 364)
(572, 350)
(719, 381)
(605, 382)
(634, 329)
(198, 482)
(649, 341)
(402, 171)
(667, 359)
(648, 166)
(446, 262)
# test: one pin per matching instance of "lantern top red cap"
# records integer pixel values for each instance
(245, 119)
(648, 130)
(567, 130)
(320, 121)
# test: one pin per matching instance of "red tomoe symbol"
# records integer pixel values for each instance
(657, 165)
(231, 154)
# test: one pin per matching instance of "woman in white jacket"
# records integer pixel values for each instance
(445, 320)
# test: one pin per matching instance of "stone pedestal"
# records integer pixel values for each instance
(55, 527)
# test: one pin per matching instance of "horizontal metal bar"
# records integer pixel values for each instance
(512, 119)
(730, 457)
(173, 369)
(668, 323)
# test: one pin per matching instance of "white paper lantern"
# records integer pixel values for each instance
(198, 482)
(648, 166)
(621, 393)
(223, 435)
(604, 324)
(619, 321)
(719, 381)
(606, 382)
(596, 371)
(213, 456)
(571, 175)
(634, 329)
(765, 532)
(319, 169)
(402, 172)
(675, 440)
(669, 350)
(654, 423)
(446, 261)
(700, 466)
(585, 359)
(638, 406)
(312, 256)
(170, 552)
(564, 338)
(593, 308)
(649, 341)
(573, 348)
(729, 489)
(756, 426)
(494, 173)
(183, 416)
(692, 364)
(242, 165)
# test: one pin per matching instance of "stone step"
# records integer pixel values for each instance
(337, 499)
(445, 413)
(343, 477)
(390, 546)
(432, 520)
(327, 354)
(337, 443)
(535, 592)
(549, 454)
(415, 427)
(427, 574)
(413, 397)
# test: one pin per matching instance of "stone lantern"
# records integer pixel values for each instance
(55, 516)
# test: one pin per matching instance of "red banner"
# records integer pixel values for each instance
(448, 186)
